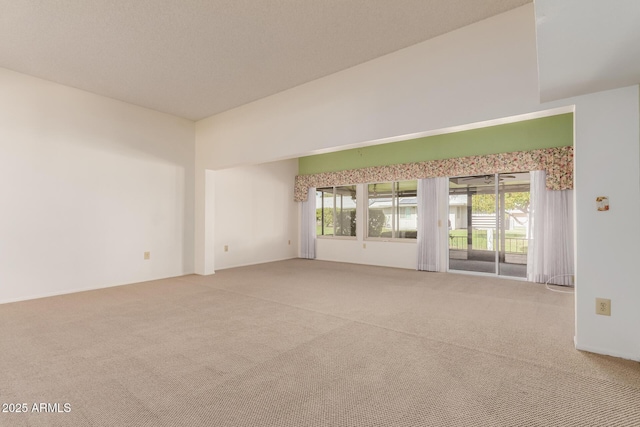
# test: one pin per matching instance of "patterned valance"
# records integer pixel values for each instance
(557, 162)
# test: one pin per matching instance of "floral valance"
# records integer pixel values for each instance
(557, 162)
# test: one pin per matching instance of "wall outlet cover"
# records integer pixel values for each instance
(603, 306)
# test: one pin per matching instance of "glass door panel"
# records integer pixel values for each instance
(473, 239)
(513, 198)
(489, 223)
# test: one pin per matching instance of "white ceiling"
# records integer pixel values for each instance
(196, 58)
(586, 46)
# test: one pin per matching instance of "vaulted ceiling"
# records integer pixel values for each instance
(196, 58)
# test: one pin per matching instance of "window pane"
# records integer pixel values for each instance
(336, 211)
(380, 210)
(393, 209)
(324, 211)
(345, 220)
(406, 209)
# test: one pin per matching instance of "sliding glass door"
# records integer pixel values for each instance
(488, 223)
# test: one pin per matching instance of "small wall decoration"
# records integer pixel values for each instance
(602, 202)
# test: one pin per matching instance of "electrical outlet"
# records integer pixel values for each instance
(147, 255)
(603, 306)
(364, 246)
(226, 248)
(289, 241)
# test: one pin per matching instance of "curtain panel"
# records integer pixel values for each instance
(550, 257)
(308, 226)
(433, 228)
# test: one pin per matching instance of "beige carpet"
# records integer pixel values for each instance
(310, 343)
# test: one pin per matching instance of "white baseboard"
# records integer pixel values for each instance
(76, 290)
(607, 352)
(256, 263)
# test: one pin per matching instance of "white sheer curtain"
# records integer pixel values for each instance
(550, 254)
(433, 229)
(308, 226)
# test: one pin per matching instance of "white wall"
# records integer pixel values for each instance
(482, 72)
(254, 214)
(87, 185)
(388, 254)
(607, 163)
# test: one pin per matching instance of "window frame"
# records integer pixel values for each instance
(395, 213)
(321, 207)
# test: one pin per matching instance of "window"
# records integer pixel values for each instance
(336, 211)
(393, 210)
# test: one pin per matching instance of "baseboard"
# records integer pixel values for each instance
(606, 352)
(256, 263)
(76, 290)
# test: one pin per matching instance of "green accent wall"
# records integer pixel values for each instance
(545, 132)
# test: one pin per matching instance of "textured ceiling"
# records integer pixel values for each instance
(196, 58)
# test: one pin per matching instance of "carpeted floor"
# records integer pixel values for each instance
(309, 343)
